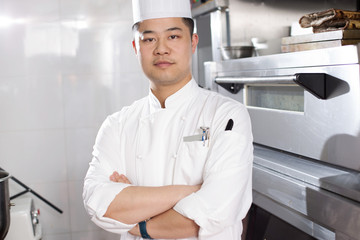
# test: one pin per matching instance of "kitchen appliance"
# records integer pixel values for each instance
(22, 214)
(212, 24)
(233, 52)
(4, 204)
(305, 113)
(25, 224)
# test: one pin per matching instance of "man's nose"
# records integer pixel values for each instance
(161, 48)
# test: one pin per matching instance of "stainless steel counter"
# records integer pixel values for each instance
(320, 57)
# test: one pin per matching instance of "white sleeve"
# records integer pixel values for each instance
(99, 191)
(226, 194)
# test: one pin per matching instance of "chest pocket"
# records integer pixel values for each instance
(191, 161)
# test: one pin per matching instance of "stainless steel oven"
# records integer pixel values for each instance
(305, 112)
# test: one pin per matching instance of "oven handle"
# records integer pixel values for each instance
(287, 79)
(315, 83)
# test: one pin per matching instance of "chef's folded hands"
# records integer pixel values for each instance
(116, 177)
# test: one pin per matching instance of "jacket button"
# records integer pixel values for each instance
(139, 157)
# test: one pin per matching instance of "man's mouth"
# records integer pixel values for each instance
(163, 63)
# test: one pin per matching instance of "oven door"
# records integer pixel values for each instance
(292, 118)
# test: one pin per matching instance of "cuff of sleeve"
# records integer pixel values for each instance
(193, 207)
(112, 225)
(103, 196)
(98, 204)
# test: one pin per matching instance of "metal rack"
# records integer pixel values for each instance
(28, 189)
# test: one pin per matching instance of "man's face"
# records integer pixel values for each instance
(164, 48)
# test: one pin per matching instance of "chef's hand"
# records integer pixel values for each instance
(121, 178)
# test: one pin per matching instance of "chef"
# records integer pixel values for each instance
(176, 164)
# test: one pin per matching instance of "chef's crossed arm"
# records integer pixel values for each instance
(136, 203)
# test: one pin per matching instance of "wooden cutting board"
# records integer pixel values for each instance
(320, 40)
(317, 45)
(324, 36)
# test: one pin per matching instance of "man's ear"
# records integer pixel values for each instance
(134, 46)
(194, 42)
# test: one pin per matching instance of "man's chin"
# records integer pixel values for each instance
(163, 78)
(163, 82)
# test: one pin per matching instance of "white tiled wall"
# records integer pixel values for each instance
(64, 66)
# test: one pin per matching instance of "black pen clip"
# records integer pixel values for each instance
(229, 125)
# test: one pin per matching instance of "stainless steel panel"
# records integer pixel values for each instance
(334, 179)
(320, 206)
(210, 74)
(204, 48)
(258, 80)
(209, 27)
(321, 57)
(294, 218)
(341, 236)
(209, 6)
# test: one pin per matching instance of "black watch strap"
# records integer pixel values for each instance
(143, 232)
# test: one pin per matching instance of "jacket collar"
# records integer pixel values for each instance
(180, 98)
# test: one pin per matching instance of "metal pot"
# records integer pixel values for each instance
(4, 204)
(234, 52)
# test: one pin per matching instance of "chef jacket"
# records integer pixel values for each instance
(146, 143)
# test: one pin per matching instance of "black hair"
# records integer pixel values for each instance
(189, 22)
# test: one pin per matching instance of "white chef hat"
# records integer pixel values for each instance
(150, 9)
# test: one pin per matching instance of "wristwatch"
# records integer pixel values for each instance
(143, 232)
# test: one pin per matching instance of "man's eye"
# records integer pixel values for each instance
(148, 39)
(174, 37)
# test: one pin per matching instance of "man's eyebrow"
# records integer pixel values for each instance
(167, 30)
(174, 29)
(147, 32)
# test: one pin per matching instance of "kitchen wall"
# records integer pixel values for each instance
(64, 66)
